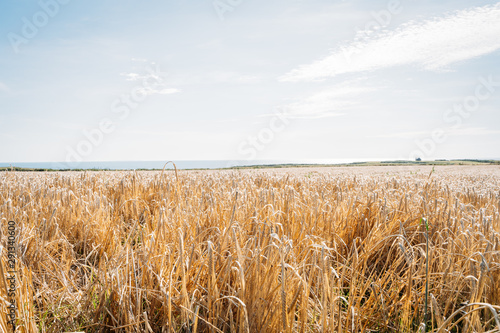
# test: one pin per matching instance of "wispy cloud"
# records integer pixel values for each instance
(329, 102)
(142, 77)
(53, 123)
(158, 88)
(401, 135)
(471, 131)
(132, 76)
(465, 131)
(218, 77)
(431, 44)
(151, 91)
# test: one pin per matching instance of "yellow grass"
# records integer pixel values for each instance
(252, 251)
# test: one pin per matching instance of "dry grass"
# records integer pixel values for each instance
(253, 251)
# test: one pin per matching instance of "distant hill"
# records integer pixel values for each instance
(292, 165)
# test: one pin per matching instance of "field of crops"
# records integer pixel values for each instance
(306, 250)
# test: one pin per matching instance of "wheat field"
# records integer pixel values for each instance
(305, 250)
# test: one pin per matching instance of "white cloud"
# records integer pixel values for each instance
(465, 131)
(329, 102)
(132, 76)
(143, 77)
(402, 135)
(431, 44)
(152, 91)
(153, 82)
(471, 131)
(218, 77)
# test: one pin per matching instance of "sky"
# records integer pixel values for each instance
(115, 80)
